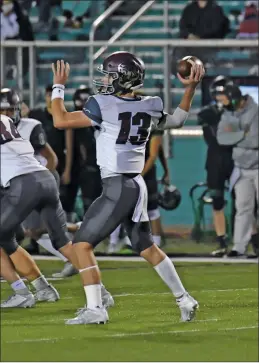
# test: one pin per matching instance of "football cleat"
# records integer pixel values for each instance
(107, 298)
(49, 294)
(68, 270)
(19, 301)
(188, 306)
(219, 253)
(234, 253)
(89, 316)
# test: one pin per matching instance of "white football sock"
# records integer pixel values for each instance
(19, 287)
(168, 274)
(114, 236)
(40, 283)
(157, 239)
(46, 243)
(93, 296)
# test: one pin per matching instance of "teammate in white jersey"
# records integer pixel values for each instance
(20, 173)
(124, 122)
(27, 185)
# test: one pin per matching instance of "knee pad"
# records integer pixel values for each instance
(141, 237)
(10, 246)
(218, 203)
(153, 214)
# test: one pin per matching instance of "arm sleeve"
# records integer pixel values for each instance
(38, 138)
(174, 121)
(92, 110)
(229, 137)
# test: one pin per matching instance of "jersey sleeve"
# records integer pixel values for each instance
(158, 112)
(93, 111)
(38, 138)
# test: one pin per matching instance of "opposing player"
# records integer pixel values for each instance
(149, 174)
(27, 185)
(124, 122)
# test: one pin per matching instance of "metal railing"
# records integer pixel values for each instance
(164, 45)
(108, 12)
(132, 20)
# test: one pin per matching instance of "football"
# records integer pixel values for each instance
(184, 65)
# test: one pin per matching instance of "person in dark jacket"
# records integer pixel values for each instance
(219, 163)
(203, 19)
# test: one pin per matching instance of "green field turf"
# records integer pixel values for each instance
(144, 325)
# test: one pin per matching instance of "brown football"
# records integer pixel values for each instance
(184, 66)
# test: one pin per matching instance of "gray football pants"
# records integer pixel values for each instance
(246, 190)
(27, 192)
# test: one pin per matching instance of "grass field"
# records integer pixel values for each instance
(144, 325)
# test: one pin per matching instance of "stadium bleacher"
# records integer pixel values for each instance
(142, 29)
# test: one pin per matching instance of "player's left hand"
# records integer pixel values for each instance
(66, 178)
(166, 179)
(60, 72)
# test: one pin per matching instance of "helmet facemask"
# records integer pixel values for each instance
(120, 82)
(104, 83)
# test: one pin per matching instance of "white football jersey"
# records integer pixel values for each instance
(25, 128)
(124, 127)
(17, 154)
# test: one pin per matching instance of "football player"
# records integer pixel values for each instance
(31, 130)
(219, 162)
(27, 185)
(153, 147)
(123, 122)
(60, 142)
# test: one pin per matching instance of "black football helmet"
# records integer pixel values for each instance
(218, 85)
(169, 198)
(80, 96)
(10, 101)
(225, 86)
(122, 73)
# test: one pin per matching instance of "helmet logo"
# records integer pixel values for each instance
(123, 69)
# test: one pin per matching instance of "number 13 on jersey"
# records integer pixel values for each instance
(143, 122)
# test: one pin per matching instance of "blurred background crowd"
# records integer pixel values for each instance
(191, 151)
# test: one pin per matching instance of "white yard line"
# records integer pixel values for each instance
(175, 259)
(123, 335)
(169, 293)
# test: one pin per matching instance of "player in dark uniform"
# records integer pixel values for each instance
(124, 121)
(219, 163)
(85, 171)
(153, 147)
(61, 143)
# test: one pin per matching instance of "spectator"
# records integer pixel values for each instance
(15, 24)
(9, 23)
(239, 127)
(203, 19)
(249, 25)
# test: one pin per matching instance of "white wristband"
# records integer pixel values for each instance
(57, 93)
